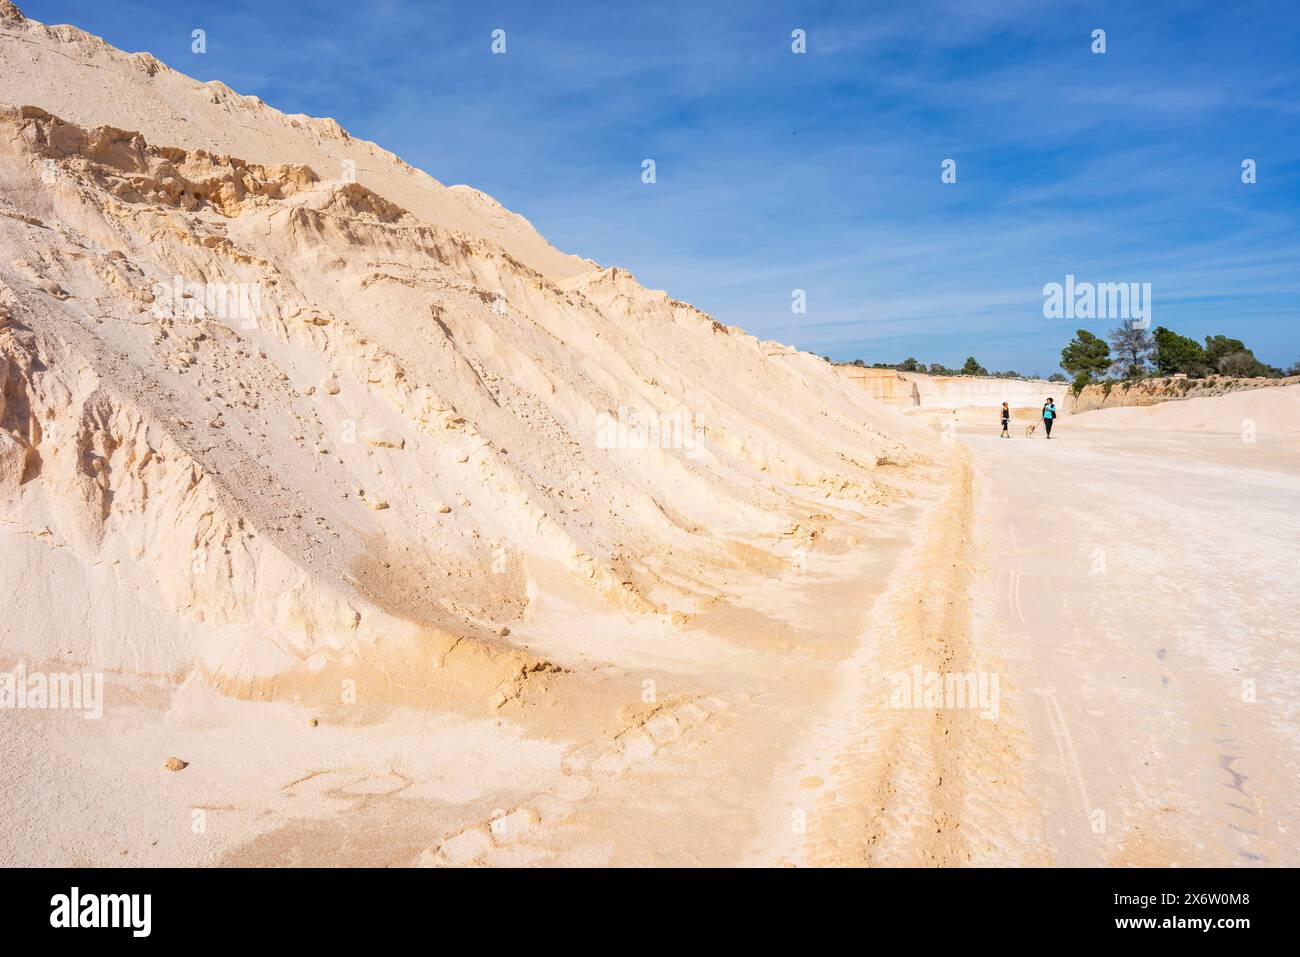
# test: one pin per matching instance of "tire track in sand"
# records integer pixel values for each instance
(929, 786)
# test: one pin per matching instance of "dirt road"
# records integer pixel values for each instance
(1129, 597)
(1144, 605)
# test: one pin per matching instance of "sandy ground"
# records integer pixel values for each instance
(1143, 604)
(1127, 587)
(719, 768)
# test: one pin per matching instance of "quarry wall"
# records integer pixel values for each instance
(912, 390)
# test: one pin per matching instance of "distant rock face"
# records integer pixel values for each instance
(1166, 389)
(273, 418)
(939, 392)
(911, 390)
(884, 385)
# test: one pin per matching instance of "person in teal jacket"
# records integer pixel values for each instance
(1049, 416)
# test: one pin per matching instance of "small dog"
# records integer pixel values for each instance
(1029, 429)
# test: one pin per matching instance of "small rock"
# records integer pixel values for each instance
(383, 439)
(176, 764)
(503, 631)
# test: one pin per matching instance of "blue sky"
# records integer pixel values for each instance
(821, 171)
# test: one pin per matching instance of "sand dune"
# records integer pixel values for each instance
(349, 447)
(421, 394)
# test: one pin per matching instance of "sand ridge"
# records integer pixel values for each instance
(424, 478)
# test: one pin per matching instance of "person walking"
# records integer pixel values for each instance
(1049, 416)
(1006, 422)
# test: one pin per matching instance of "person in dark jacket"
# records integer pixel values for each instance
(1006, 422)
(1049, 416)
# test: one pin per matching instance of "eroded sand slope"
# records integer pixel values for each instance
(373, 535)
(411, 403)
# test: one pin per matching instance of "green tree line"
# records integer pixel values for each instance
(1131, 351)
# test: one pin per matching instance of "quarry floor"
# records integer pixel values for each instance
(1132, 594)
(1143, 603)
